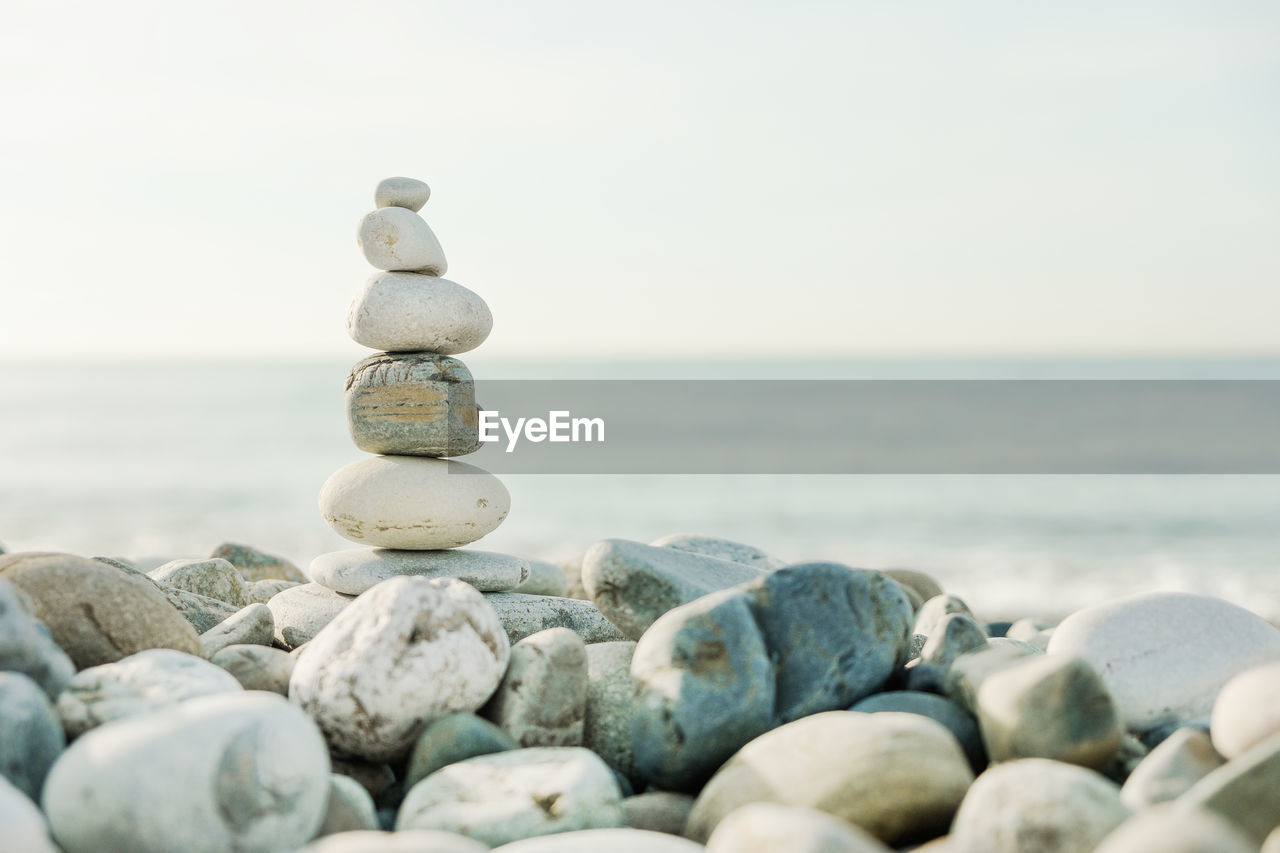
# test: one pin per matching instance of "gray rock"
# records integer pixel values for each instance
(935, 609)
(357, 569)
(138, 684)
(610, 704)
(253, 625)
(1028, 629)
(724, 549)
(376, 778)
(263, 766)
(572, 569)
(967, 672)
(770, 827)
(897, 776)
(541, 700)
(508, 796)
(1244, 790)
(955, 719)
(953, 635)
(523, 615)
(658, 811)
(257, 667)
(1049, 706)
(451, 739)
(412, 404)
(1177, 763)
(922, 584)
(411, 841)
(596, 840)
(301, 612)
(1035, 805)
(1169, 828)
(1247, 711)
(31, 737)
(214, 578)
(202, 612)
(349, 808)
(704, 687)
(544, 579)
(409, 193)
(255, 565)
(633, 584)
(25, 830)
(120, 563)
(260, 592)
(25, 644)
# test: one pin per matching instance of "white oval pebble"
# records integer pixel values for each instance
(393, 238)
(1247, 711)
(409, 193)
(413, 502)
(411, 312)
(597, 840)
(24, 826)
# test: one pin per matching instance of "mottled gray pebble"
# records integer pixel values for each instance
(25, 644)
(451, 739)
(253, 625)
(257, 667)
(31, 736)
(356, 570)
(523, 615)
(541, 700)
(213, 578)
(301, 612)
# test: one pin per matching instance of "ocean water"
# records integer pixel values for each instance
(142, 460)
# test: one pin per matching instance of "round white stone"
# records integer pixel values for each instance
(25, 829)
(241, 771)
(301, 611)
(412, 502)
(1164, 656)
(596, 840)
(411, 312)
(1247, 711)
(409, 193)
(357, 569)
(403, 654)
(393, 238)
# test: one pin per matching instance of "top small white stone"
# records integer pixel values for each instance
(409, 193)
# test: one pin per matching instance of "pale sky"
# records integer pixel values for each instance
(652, 179)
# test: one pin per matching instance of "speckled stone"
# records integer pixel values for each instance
(544, 579)
(541, 700)
(410, 312)
(201, 611)
(610, 702)
(523, 615)
(409, 193)
(25, 644)
(214, 578)
(255, 565)
(935, 609)
(301, 612)
(31, 737)
(357, 569)
(953, 635)
(770, 827)
(252, 625)
(399, 240)
(260, 592)
(412, 404)
(257, 667)
(724, 549)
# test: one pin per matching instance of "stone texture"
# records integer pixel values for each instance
(1173, 766)
(1244, 790)
(897, 776)
(254, 565)
(264, 766)
(1172, 829)
(376, 778)
(357, 569)
(138, 684)
(724, 549)
(633, 584)
(201, 611)
(951, 716)
(508, 796)
(300, 612)
(935, 609)
(214, 578)
(31, 737)
(409, 193)
(349, 807)
(454, 738)
(953, 635)
(260, 592)
(1164, 656)
(413, 502)
(403, 654)
(658, 811)
(25, 830)
(25, 643)
(412, 404)
(409, 312)
(257, 667)
(97, 613)
(1035, 805)
(541, 700)
(252, 625)
(523, 615)
(597, 840)
(399, 240)
(414, 841)
(606, 729)
(544, 579)
(1247, 710)
(770, 827)
(921, 583)
(967, 672)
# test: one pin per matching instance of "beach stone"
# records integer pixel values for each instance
(260, 592)
(596, 840)
(953, 635)
(770, 827)
(253, 624)
(454, 738)
(31, 737)
(357, 569)
(610, 701)
(409, 193)
(523, 615)
(541, 700)
(1028, 629)
(412, 404)
(215, 578)
(935, 609)
(412, 841)
(97, 613)
(413, 502)
(897, 776)
(25, 643)
(633, 584)
(25, 829)
(256, 667)
(410, 312)
(263, 766)
(301, 612)
(921, 583)
(704, 686)
(998, 628)
(349, 808)
(1172, 767)
(834, 634)
(1036, 805)
(658, 811)
(375, 777)
(572, 569)
(138, 684)
(913, 597)
(1049, 706)
(254, 565)
(201, 611)
(508, 796)
(1164, 656)
(119, 563)
(724, 549)
(399, 240)
(951, 716)
(1247, 710)
(544, 579)
(403, 654)
(1169, 828)
(968, 671)
(1243, 790)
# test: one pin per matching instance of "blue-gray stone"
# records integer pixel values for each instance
(704, 687)
(26, 645)
(957, 720)
(412, 404)
(451, 739)
(31, 737)
(999, 628)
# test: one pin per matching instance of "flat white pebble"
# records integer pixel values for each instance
(409, 193)
(399, 240)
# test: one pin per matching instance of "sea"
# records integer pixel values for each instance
(151, 461)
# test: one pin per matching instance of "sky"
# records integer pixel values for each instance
(659, 180)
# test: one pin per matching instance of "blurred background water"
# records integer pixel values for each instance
(138, 459)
